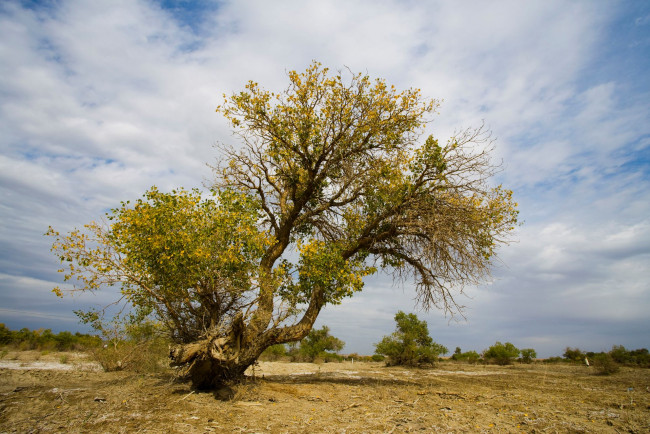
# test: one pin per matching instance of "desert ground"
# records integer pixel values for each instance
(69, 393)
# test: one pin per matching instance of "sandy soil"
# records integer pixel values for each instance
(324, 398)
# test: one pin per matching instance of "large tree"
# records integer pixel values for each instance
(329, 183)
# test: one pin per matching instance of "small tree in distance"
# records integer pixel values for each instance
(410, 344)
(318, 342)
(574, 354)
(528, 355)
(501, 354)
(468, 356)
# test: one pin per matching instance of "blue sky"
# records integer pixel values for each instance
(100, 100)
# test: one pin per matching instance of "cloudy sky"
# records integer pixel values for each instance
(99, 100)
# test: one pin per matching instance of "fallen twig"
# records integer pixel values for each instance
(185, 396)
(356, 404)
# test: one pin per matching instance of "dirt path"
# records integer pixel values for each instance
(331, 398)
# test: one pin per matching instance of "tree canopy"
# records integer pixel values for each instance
(318, 342)
(328, 184)
(410, 344)
(501, 354)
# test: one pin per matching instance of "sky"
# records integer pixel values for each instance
(99, 100)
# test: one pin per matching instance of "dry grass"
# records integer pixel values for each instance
(332, 397)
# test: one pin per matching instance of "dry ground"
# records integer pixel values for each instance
(324, 398)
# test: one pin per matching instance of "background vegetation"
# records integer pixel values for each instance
(143, 347)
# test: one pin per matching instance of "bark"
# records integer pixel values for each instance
(209, 374)
(217, 361)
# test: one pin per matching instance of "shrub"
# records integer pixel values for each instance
(638, 357)
(501, 354)
(144, 356)
(410, 344)
(467, 357)
(471, 357)
(604, 364)
(574, 355)
(527, 355)
(45, 340)
(5, 335)
(274, 353)
(316, 345)
(331, 357)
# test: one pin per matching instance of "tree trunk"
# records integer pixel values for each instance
(208, 373)
(219, 360)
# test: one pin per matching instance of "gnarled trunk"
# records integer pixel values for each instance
(219, 360)
(208, 373)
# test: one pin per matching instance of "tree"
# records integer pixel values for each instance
(528, 355)
(468, 356)
(574, 354)
(410, 344)
(501, 354)
(318, 342)
(329, 185)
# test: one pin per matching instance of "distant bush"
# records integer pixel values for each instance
(410, 344)
(330, 357)
(528, 355)
(554, 359)
(318, 345)
(574, 355)
(604, 364)
(359, 358)
(274, 353)
(45, 340)
(639, 357)
(501, 354)
(378, 358)
(471, 357)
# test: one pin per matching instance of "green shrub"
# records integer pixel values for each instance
(378, 358)
(528, 355)
(501, 354)
(471, 357)
(6, 336)
(574, 355)
(331, 357)
(604, 364)
(410, 344)
(318, 344)
(640, 357)
(274, 353)
(623, 356)
(44, 340)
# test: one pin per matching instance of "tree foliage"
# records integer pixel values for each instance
(501, 354)
(318, 343)
(46, 340)
(328, 185)
(410, 344)
(574, 355)
(468, 356)
(528, 355)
